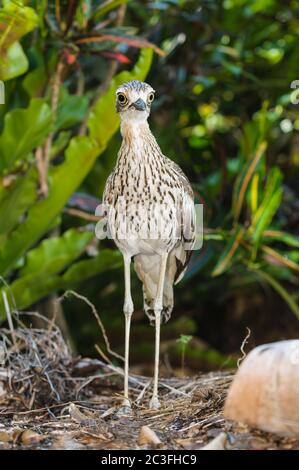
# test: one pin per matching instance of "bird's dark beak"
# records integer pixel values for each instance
(139, 105)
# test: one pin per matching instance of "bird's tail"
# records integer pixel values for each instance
(148, 271)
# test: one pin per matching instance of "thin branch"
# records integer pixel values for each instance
(83, 215)
(9, 317)
(244, 342)
(97, 317)
(43, 153)
(71, 10)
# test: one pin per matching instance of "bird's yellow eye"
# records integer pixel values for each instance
(150, 98)
(122, 99)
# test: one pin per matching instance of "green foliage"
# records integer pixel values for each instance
(38, 266)
(223, 111)
(66, 177)
(72, 110)
(280, 290)
(242, 182)
(16, 20)
(106, 7)
(248, 244)
(24, 130)
(268, 207)
(53, 254)
(34, 285)
(232, 127)
(226, 258)
(15, 202)
(183, 341)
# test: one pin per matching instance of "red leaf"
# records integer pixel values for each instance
(123, 59)
(135, 42)
(71, 59)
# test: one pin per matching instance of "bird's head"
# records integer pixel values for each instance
(134, 100)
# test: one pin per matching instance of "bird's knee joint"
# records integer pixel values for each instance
(128, 308)
(158, 310)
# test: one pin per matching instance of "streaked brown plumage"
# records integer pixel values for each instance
(156, 198)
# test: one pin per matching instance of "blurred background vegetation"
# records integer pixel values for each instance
(225, 110)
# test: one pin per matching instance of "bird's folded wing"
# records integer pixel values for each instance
(183, 250)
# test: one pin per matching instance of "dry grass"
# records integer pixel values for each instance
(50, 400)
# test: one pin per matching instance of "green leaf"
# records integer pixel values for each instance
(232, 68)
(106, 259)
(280, 290)
(53, 254)
(24, 130)
(34, 81)
(244, 179)
(25, 291)
(268, 208)
(229, 251)
(71, 110)
(274, 181)
(280, 258)
(283, 237)
(254, 193)
(106, 7)
(184, 339)
(15, 200)
(67, 177)
(266, 216)
(64, 179)
(29, 289)
(83, 13)
(14, 63)
(294, 255)
(60, 143)
(16, 20)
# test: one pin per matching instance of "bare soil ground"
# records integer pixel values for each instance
(48, 400)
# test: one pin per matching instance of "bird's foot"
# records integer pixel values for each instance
(154, 404)
(125, 409)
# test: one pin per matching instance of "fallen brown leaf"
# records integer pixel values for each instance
(30, 437)
(148, 437)
(218, 443)
(5, 436)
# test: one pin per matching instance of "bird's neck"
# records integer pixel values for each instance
(138, 143)
(134, 130)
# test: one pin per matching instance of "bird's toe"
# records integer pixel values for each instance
(154, 403)
(125, 409)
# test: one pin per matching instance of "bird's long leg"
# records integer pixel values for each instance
(158, 306)
(128, 310)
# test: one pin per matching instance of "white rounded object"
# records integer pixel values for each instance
(265, 390)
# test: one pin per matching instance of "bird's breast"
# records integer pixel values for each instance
(146, 202)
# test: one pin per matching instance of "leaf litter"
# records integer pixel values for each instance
(51, 400)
